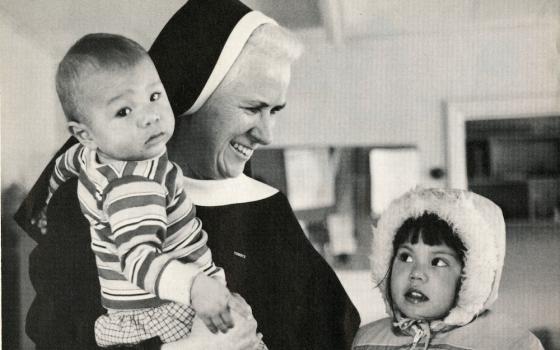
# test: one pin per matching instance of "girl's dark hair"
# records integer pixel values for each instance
(432, 230)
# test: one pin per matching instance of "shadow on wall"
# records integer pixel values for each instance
(11, 297)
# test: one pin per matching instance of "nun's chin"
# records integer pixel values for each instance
(232, 162)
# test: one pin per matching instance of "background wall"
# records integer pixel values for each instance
(390, 90)
(31, 127)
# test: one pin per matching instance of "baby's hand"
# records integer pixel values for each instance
(210, 300)
(40, 220)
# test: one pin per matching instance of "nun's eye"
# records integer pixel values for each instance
(277, 109)
(123, 112)
(252, 110)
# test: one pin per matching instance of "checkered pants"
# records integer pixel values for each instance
(169, 322)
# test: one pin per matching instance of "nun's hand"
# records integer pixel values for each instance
(237, 303)
(210, 299)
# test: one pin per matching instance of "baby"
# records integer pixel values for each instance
(437, 258)
(153, 262)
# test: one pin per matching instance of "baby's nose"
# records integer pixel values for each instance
(149, 119)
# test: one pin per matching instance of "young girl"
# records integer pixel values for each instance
(437, 258)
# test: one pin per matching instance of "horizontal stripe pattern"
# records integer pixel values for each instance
(140, 219)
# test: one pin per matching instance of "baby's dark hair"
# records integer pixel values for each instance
(432, 230)
(93, 52)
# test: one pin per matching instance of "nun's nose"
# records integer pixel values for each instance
(263, 131)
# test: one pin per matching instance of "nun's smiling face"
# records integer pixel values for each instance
(237, 118)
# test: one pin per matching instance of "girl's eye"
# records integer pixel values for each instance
(155, 96)
(123, 112)
(405, 257)
(438, 262)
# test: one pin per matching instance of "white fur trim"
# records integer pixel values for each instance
(231, 50)
(480, 225)
(241, 189)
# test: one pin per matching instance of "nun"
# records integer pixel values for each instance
(226, 70)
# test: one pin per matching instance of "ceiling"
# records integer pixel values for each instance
(56, 24)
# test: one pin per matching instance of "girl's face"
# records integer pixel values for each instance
(424, 280)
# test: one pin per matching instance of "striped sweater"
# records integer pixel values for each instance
(147, 241)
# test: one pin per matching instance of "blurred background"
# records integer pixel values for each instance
(389, 94)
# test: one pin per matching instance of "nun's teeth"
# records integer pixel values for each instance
(246, 151)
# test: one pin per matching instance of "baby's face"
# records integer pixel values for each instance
(127, 112)
(424, 280)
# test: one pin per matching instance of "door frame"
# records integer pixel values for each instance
(458, 112)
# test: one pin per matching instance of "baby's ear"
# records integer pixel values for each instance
(82, 133)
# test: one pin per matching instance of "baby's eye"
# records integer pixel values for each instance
(123, 112)
(405, 257)
(155, 96)
(438, 262)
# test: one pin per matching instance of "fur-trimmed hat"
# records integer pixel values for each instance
(477, 221)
